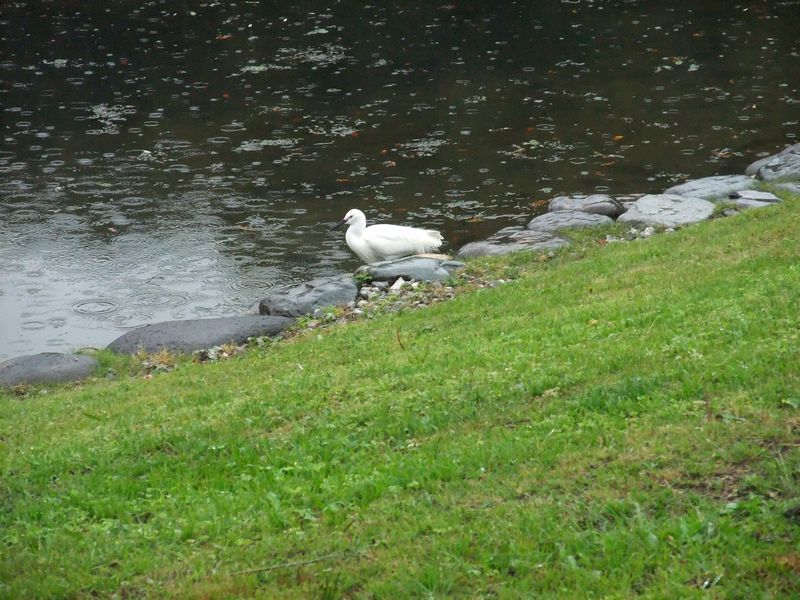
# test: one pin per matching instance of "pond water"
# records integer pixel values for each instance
(174, 159)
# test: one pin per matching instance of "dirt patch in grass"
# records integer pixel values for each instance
(725, 485)
(780, 445)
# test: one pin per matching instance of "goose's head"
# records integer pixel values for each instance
(353, 217)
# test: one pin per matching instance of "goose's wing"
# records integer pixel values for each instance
(395, 241)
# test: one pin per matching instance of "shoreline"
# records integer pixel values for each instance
(683, 204)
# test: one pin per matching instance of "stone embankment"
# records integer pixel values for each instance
(396, 283)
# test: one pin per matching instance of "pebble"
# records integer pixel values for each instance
(397, 284)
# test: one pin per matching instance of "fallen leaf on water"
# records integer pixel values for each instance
(617, 138)
(224, 36)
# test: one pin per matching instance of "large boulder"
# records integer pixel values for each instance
(667, 210)
(598, 204)
(567, 219)
(418, 268)
(512, 239)
(781, 166)
(48, 367)
(307, 297)
(713, 188)
(198, 334)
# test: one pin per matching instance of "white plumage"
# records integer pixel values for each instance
(386, 242)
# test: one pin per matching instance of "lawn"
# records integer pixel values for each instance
(620, 420)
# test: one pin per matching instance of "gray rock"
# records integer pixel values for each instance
(755, 195)
(307, 297)
(753, 167)
(667, 210)
(713, 188)
(413, 267)
(783, 165)
(597, 204)
(567, 219)
(512, 239)
(745, 203)
(628, 200)
(48, 367)
(198, 334)
(794, 188)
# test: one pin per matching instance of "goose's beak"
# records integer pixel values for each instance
(337, 225)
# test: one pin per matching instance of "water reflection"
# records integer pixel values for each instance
(169, 160)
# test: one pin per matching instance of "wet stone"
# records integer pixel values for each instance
(414, 267)
(785, 165)
(792, 187)
(755, 196)
(744, 204)
(567, 219)
(312, 295)
(712, 188)
(667, 210)
(598, 204)
(48, 367)
(627, 200)
(198, 334)
(512, 239)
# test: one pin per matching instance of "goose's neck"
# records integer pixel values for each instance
(357, 228)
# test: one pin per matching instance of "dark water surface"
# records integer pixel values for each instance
(172, 159)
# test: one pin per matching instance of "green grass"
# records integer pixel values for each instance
(621, 420)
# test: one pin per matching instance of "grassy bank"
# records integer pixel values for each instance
(620, 420)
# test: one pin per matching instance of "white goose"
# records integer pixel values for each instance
(386, 242)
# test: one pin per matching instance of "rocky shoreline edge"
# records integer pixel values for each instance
(423, 280)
